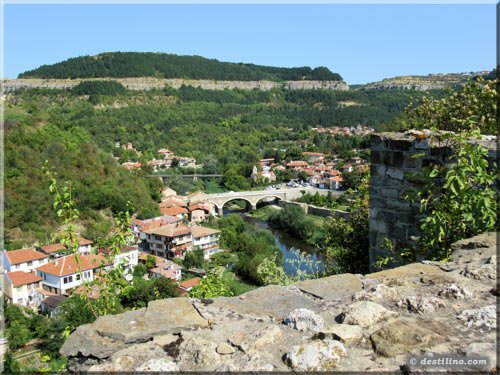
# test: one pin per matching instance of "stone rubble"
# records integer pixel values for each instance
(304, 320)
(343, 323)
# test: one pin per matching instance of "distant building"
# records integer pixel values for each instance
(206, 239)
(63, 275)
(187, 285)
(21, 288)
(166, 268)
(169, 241)
(175, 211)
(127, 257)
(313, 157)
(297, 165)
(23, 259)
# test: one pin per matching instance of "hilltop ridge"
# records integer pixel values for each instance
(163, 65)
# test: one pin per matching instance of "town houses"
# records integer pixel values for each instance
(164, 159)
(314, 169)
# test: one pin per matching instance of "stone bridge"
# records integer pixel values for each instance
(253, 197)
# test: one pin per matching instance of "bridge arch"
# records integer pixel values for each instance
(275, 196)
(220, 206)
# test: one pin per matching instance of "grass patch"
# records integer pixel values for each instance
(236, 285)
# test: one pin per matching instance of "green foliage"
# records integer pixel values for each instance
(251, 245)
(77, 310)
(474, 107)
(143, 291)
(271, 272)
(110, 88)
(345, 244)
(210, 287)
(293, 220)
(150, 261)
(141, 64)
(140, 270)
(459, 200)
(97, 182)
(10, 365)
(194, 259)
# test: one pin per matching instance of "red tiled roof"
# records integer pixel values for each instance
(144, 256)
(172, 202)
(187, 284)
(313, 154)
(24, 255)
(171, 230)
(53, 248)
(298, 163)
(203, 231)
(68, 265)
(83, 241)
(19, 278)
(173, 211)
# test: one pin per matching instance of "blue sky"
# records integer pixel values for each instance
(364, 43)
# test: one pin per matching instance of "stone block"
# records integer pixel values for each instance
(422, 145)
(394, 158)
(395, 173)
(389, 193)
(412, 162)
(400, 144)
(378, 226)
(377, 157)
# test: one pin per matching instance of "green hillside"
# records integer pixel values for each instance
(101, 187)
(227, 131)
(147, 64)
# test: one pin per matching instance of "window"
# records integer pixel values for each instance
(68, 280)
(30, 264)
(78, 277)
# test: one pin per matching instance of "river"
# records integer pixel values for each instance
(285, 244)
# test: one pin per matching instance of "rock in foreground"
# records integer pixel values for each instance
(341, 323)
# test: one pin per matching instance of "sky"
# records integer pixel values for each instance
(363, 43)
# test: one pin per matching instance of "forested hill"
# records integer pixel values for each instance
(147, 64)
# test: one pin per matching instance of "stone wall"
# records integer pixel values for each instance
(395, 171)
(349, 323)
(148, 83)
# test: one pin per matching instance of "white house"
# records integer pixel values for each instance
(23, 259)
(63, 275)
(335, 182)
(84, 246)
(21, 288)
(128, 258)
(206, 239)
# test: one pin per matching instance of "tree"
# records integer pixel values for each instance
(303, 176)
(210, 287)
(345, 244)
(150, 262)
(194, 259)
(140, 270)
(77, 311)
(474, 107)
(352, 180)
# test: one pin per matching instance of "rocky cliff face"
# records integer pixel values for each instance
(148, 83)
(344, 322)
